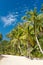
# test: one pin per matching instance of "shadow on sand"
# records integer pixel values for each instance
(1, 57)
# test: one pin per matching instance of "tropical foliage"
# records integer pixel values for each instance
(26, 38)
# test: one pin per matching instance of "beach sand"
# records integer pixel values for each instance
(18, 60)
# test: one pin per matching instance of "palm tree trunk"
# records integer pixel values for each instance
(39, 45)
(36, 36)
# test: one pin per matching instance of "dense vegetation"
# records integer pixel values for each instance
(26, 38)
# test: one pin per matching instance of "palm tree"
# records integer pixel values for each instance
(26, 34)
(15, 38)
(37, 21)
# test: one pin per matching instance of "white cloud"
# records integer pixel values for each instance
(9, 19)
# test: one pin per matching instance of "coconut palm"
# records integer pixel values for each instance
(27, 35)
(15, 38)
(37, 21)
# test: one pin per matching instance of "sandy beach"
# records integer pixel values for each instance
(18, 60)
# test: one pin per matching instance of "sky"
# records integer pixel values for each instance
(11, 12)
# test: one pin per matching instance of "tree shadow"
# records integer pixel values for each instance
(1, 57)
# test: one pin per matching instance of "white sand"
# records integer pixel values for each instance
(19, 60)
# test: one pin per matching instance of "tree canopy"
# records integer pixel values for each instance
(27, 37)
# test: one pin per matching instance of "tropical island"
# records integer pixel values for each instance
(26, 38)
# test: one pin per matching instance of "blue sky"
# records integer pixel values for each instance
(11, 12)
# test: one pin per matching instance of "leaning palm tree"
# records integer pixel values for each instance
(15, 40)
(19, 37)
(27, 35)
(36, 20)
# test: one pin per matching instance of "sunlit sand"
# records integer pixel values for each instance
(18, 60)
